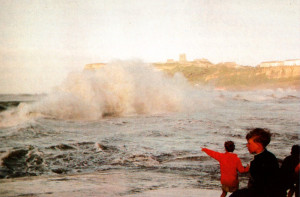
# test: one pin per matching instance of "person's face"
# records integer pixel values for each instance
(253, 147)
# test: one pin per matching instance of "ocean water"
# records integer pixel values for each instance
(131, 118)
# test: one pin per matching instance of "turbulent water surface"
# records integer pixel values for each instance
(153, 130)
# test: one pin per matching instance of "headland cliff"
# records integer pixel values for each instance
(234, 77)
(229, 75)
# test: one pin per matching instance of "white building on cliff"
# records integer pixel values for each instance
(292, 62)
(295, 62)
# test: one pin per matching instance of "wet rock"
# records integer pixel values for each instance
(60, 170)
(15, 159)
(2, 108)
(100, 147)
(22, 162)
(4, 172)
(193, 158)
(164, 157)
(62, 147)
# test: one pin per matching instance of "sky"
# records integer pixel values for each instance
(41, 41)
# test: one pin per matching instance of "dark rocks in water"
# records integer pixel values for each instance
(103, 147)
(14, 164)
(100, 147)
(60, 170)
(33, 158)
(4, 105)
(15, 159)
(193, 158)
(4, 172)
(22, 162)
(84, 143)
(164, 157)
(2, 108)
(62, 147)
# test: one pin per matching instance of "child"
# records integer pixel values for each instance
(230, 163)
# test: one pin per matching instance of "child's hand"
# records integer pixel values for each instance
(247, 168)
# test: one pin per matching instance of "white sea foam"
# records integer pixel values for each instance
(119, 88)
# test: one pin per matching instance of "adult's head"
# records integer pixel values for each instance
(295, 150)
(258, 139)
(229, 146)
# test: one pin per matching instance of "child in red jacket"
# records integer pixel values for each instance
(230, 163)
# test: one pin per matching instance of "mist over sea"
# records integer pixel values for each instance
(128, 117)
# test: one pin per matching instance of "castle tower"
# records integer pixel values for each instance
(182, 58)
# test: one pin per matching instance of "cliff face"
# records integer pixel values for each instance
(238, 77)
(280, 72)
(229, 75)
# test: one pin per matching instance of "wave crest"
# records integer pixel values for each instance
(119, 88)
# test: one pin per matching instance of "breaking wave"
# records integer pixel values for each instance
(119, 88)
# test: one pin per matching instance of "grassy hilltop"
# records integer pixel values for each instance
(233, 77)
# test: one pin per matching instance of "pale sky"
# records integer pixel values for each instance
(42, 40)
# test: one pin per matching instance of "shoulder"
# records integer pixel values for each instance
(265, 156)
(270, 158)
(269, 154)
(288, 158)
(232, 155)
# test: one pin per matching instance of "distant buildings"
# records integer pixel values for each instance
(293, 62)
(203, 60)
(205, 63)
(183, 60)
(94, 66)
(170, 61)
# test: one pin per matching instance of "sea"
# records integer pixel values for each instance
(131, 125)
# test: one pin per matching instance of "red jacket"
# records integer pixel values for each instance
(229, 164)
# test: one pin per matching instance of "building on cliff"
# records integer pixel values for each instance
(170, 61)
(203, 60)
(182, 58)
(94, 66)
(292, 62)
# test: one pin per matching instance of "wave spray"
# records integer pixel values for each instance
(119, 88)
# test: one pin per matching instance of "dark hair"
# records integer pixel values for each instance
(295, 150)
(262, 136)
(229, 146)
